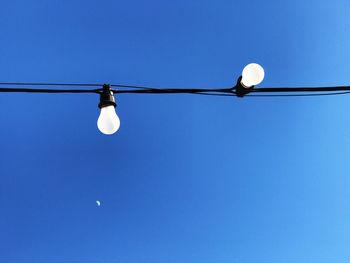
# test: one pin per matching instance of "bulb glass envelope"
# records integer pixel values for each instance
(252, 74)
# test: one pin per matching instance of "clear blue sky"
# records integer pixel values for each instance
(187, 178)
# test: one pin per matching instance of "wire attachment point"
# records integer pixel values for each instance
(241, 90)
(106, 97)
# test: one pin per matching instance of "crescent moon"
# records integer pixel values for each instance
(98, 203)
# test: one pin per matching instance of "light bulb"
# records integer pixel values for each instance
(252, 74)
(108, 122)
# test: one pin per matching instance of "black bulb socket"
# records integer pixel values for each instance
(242, 90)
(106, 97)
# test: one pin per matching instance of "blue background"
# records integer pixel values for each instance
(186, 178)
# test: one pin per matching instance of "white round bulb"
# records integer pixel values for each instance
(252, 74)
(108, 122)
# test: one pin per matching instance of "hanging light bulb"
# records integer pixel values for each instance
(252, 74)
(108, 122)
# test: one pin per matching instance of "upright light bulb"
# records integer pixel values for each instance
(108, 122)
(252, 74)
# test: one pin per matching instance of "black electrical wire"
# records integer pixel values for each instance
(168, 90)
(216, 94)
(154, 88)
(30, 90)
(299, 95)
(51, 84)
(70, 84)
(144, 90)
(131, 89)
(303, 89)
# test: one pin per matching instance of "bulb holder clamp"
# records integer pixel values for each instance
(242, 90)
(106, 97)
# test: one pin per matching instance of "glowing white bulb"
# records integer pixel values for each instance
(108, 122)
(252, 74)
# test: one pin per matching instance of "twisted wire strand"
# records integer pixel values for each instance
(131, 89)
